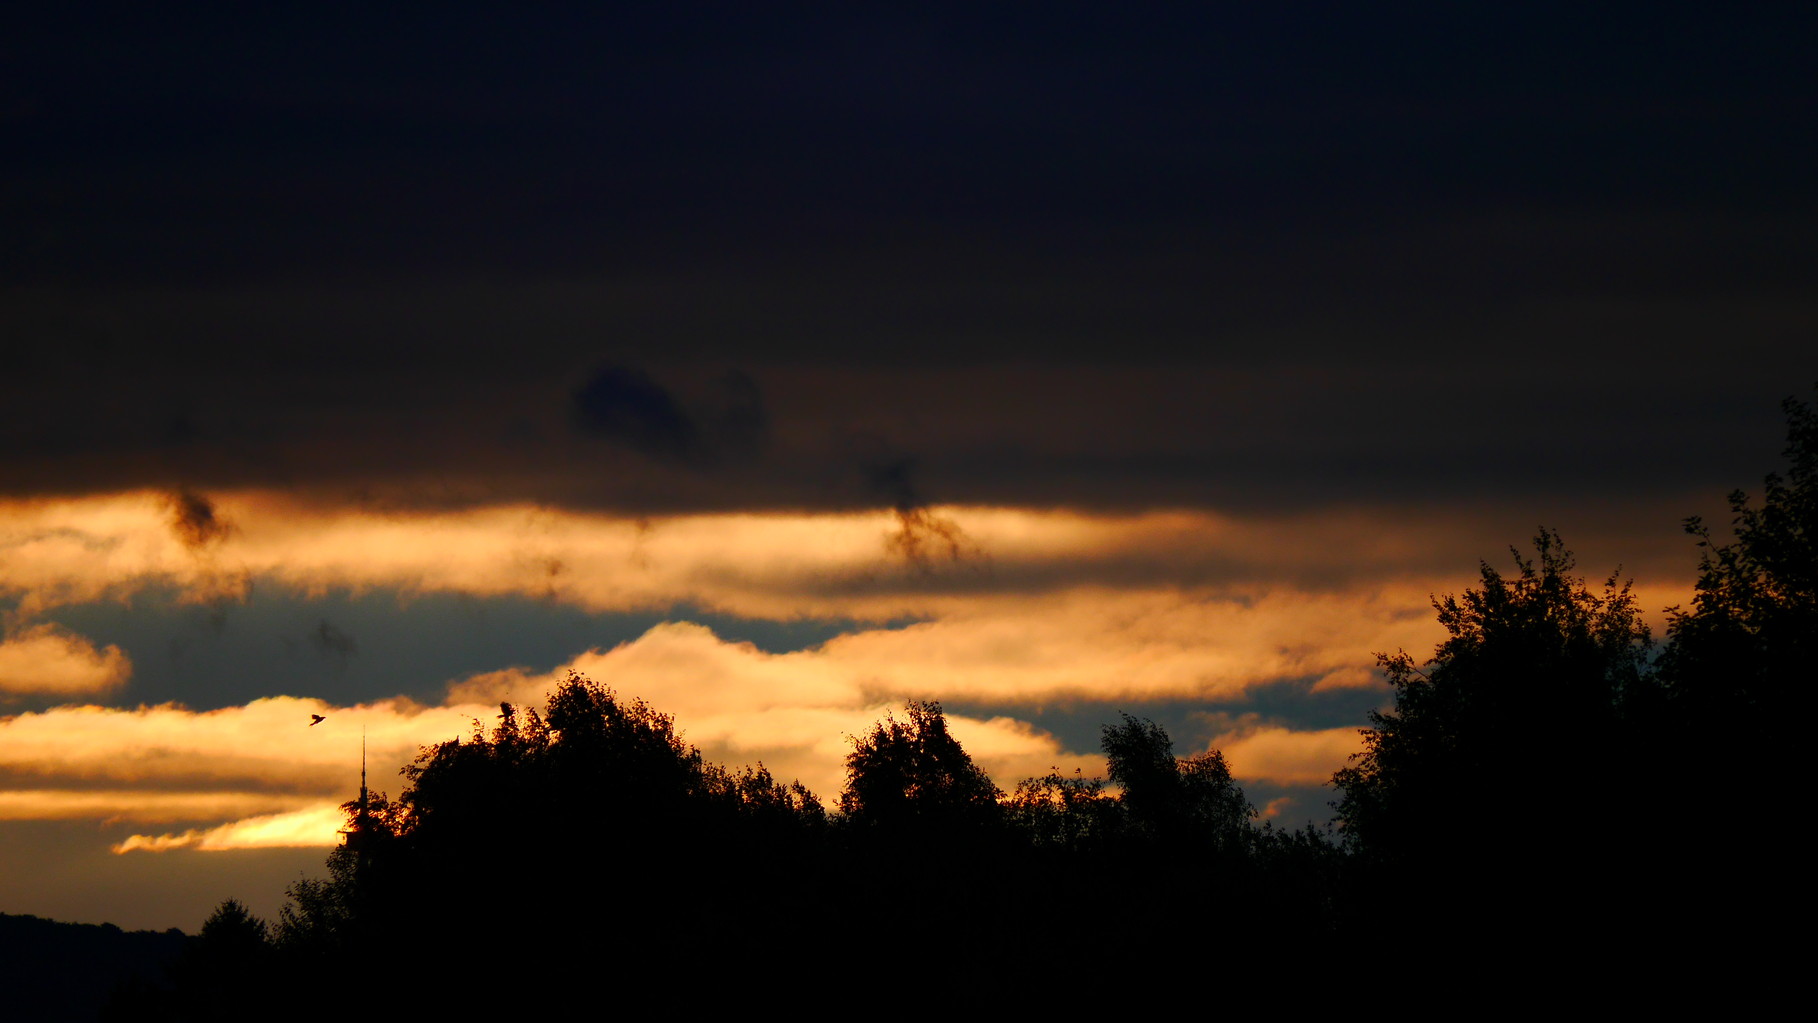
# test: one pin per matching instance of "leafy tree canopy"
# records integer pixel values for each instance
(914, 772)
(1536, 671)
(1739, 654)
(1190, 800)
(1068, 813)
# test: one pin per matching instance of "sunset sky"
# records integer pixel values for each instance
(779, 365)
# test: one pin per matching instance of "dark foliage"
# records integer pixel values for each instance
(1736, 671)
(911, 777)
(597, 817)
(229, 967)
(1184, 804)
(1480, 803)
(1535, 669)
(1742, 652)
(592, 833)
(1482, 806)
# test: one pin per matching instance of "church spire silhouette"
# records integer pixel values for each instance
(357, 832)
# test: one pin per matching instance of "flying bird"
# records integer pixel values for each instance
(316, 719)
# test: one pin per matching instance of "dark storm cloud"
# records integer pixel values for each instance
(1583, 397)
(1107, 257)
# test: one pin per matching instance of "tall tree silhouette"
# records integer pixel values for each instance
(1534, 675)
(1479, 807)
(1737, 667)
(1739, 655)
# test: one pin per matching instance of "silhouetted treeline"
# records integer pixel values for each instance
(590, 837)
(55, 970)
(1550, 794)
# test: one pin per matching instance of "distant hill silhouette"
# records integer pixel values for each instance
(68, 971)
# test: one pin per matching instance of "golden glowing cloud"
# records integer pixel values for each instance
(794, 712)
(168, 764)
(46, 659)
(267, 744)
(1288, 757)
(316, 825)
(1082, 644)
(141, 806)
(773, 566)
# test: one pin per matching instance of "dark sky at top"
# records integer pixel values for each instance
(734, 256)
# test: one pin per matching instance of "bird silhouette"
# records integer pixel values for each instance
(316, 719)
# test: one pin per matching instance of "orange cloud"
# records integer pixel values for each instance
(773, 565)
(169, 764)
(316, 826)
(47, 659)
(1287, 757)
(1083, 644)
(791, 711)
(265, 745)
(140, 806)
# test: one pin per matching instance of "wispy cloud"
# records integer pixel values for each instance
(317, 825)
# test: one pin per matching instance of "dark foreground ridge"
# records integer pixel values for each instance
(55, 970)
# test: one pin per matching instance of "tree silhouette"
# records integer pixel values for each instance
(1751, 636)
(554, 842)
(1534, 673)
(232, 932)
(921, 821)
(1478, 806)
(1736, 669)
(913, 775)
(1179, 802)
(227, 971)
